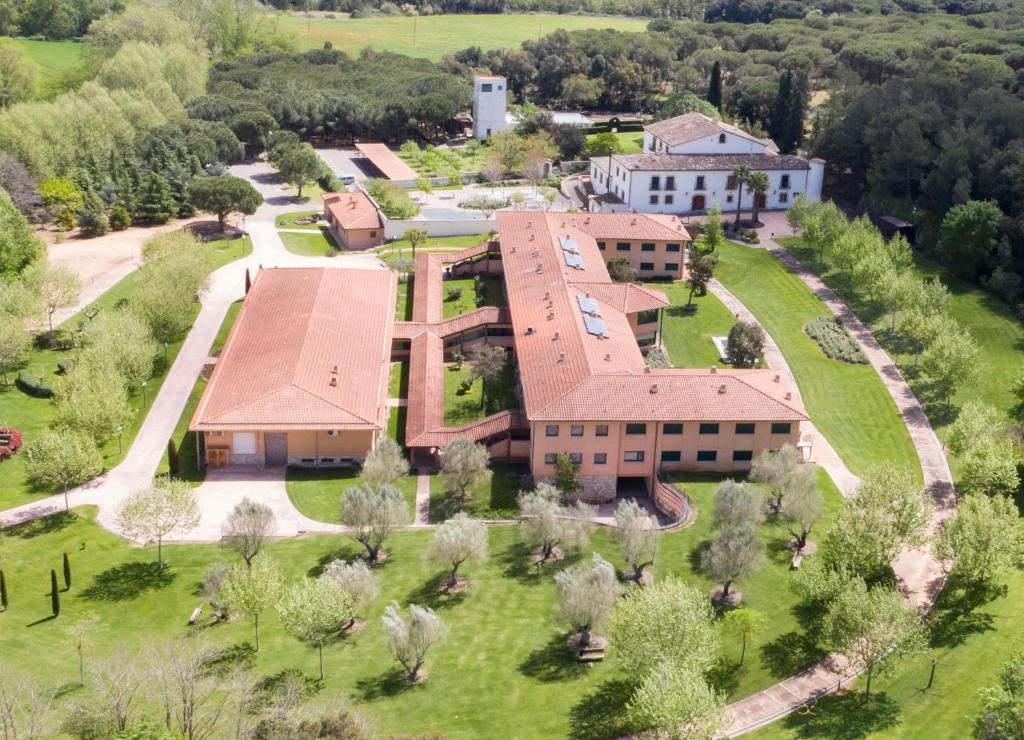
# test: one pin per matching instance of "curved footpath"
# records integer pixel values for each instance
(920, 574)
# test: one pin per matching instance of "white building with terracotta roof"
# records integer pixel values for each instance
(353, 220)
(686, 167)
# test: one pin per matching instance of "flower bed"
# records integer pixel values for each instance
(834, 340)
(10, 443)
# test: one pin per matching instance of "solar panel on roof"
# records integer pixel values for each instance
(573, 260)
(568, 244)
(588, 305)
(595, 326)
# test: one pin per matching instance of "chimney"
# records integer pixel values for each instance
(561, 356)
(714, 369)
(558, 335)
(789, 396)
(778, 378)
(547, 295)
(721, 388)
(647, 371)
(334, 370)
(334, 382)
(529, 330)
(654, 388)
(608, 357)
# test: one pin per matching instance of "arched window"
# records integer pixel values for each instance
(721, 138)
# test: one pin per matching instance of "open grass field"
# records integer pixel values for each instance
(32, 415)
(687, 333)
(630, 142)
(317, 492)
(463, 408)
(287, 220)
(434, 243)
(998, 333)
(52, 57)
(433, 36)
(491, 286)
(311, 243)
(495, 499)
(848, 403)
(503, 665)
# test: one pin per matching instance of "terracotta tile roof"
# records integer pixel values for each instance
(489, 426)
(296, 326)
(680, 395)
(484, 316)
(709, 162)
(352, 210)
(656, 227)
(625, 297)
(692, 126)
(428, 303)
(387, 162)
(425, 409)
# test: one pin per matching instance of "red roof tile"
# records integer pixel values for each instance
(352, 210)
(387, 162)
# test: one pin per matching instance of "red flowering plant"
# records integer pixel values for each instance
(10, 443)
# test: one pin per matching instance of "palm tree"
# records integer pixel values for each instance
(741, 174)
(758, 182)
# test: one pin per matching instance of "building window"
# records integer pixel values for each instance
(709, 428)
(373, 234)
(655, 182)
(729, 198)
(600, 458)
(576, 458)
(633, 456)
(721, 138)
(576, 430)
(653, 200)
(647, 317)
(485, 87)
(622, 246)
(602, 430)
(700, 183)
(551, 430)
(647, 247)
(707, 455)
(636, 429)
(781, 427)
(670, 199)
(783, 197)
(646, 265)
(671, 456)
(673, 429)
(600, 245)
(549, 458)
(784, 183)
(670, 183)
(672, 267)
(731, 183)
(744, 428)
(671, 247)
(742, 455)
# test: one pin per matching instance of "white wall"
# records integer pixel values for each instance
(489, 107)
(465, 227)
(707, 145)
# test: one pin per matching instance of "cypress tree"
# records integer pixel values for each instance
(715, 86)
(248, 281)
(54, 594)
(67, 572)
(793, 133)
(3, 591)
(778, 123)
(172, 457)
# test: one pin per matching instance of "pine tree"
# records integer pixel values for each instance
(155, 202)
(715, 86)
(93, 216)
(3, 591)
(777, 125)
(54, 594)
(67, 573)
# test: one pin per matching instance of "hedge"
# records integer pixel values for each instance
(32, 385)
(834, 340)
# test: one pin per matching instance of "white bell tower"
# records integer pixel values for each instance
(489, 106)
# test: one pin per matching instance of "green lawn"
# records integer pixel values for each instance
(432, 243)
(287, 221)
(631, 142)
(492, 286)
(316, 492)
(463, 408)
(399, 386)
(225, 327)
(33, 415)
(503, 665)
(446, 162)
(403, 306)
(687, 333)
(848, 403)
(317, 243)
(1000, 336)
(496, 499)
(437, 35)
(52, 57)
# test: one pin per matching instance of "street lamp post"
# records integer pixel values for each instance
(120, 429)
(165, 353)
(143, 394)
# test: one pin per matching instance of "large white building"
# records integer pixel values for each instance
(490, 101)
(686, 167)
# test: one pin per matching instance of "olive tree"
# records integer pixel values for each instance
(357, 580)
(152, 513)
(62, 458)
(385, 464)
(458, 540)
(735, 553)
(313, 610)
(410, 637)
(802, 507)
(464, 466)
(547, 524)
(737, 503)
(248, 526)
(774, 468)
(373, 514)
(251, 589)
(637, 533)
(586, 594)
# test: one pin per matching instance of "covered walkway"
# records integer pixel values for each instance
(387, 162)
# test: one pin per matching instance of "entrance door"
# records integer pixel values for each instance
(277, 448)
(761, 199)
(699, 203)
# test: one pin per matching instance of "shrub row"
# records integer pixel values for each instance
(834, 340)
(32, 385)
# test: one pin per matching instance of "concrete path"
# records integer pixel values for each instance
(920, 574)
(422, 500)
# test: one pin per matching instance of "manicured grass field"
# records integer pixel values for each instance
(287, 221)
(503, 665)
(433, 36)
(443, 242)
(496, 499)
(848, 403)
(399, 386)
(316, 492)
(33, 415)
(317, 243)
(492, 286)
(225, 327)
(52, 57)
(463, 408)
(998, 333)
(631, 142)
(461, 160)
(687, 334)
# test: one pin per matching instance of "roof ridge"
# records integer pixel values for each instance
(316, 395)
(742, 377)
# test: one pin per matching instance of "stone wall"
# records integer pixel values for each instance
(594, 489)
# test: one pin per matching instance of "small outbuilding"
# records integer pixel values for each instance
(353, 220)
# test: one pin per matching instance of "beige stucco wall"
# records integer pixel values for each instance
(301, 444)
(361, 238)
(636, 256)
(652, 444)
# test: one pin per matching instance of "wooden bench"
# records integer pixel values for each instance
(195, 616)
(797, 559)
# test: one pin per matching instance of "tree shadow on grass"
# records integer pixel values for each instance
(429, 594)
(602, 713)
(390, 683)
(553, 662)
(349, 552)
(725, 675)
(790, 653)
(957, 615)
(240, 656)
(42, 525)
(516, 563)
(128, 581)
(845, 717)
